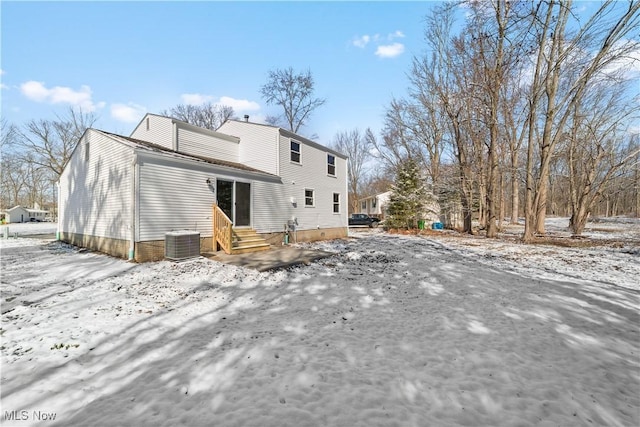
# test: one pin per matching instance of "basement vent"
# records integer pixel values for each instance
(181, 244)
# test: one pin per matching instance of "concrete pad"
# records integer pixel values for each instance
(272, 259)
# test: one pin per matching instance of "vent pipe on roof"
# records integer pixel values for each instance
(246, 118)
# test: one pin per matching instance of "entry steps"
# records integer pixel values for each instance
(246, 240)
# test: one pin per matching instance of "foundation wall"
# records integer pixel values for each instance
(144, 251)
(114, 247)
(277, 239)
(154, 250)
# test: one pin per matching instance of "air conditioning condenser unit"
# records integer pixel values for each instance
(181, 244)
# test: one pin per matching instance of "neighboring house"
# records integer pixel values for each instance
(22, 214)
(121, 195)
(374, 205)
(378, 205)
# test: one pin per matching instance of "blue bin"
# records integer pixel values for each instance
(437, 226)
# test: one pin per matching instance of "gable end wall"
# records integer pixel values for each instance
(95, 189)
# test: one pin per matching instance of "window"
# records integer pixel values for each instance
(295, 151)
(331, 164)
(336, 203)
(363, 205)
(308, 197)
(374, 202)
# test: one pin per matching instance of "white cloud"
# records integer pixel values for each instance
(37, 91)
(2, 72)
(383, 51)
(390, 50)
(239, 105)
(128, 113)
(195, 98)
(4, 86)
(361, 42)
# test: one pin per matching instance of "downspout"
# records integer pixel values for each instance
(57, 212)
(345, 217)
(134, 176)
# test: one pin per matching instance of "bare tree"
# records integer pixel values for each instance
(13, 178)
(562, 78)
(354, 144)
(208, 115)
(294, 93)
(50, 143)
(599, 149)
(392, 147)
(8, 134)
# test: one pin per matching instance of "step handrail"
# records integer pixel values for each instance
(222, 228)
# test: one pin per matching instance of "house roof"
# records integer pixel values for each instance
(26, 209)
(383, 194)
(293, 135)
(144, 145)
(16, 207)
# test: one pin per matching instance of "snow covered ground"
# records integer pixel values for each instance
(28, 228)
(390, 331)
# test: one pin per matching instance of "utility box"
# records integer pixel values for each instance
(181, 244)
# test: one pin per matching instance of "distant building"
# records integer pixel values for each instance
(374, 205)
(378, 204)
(21, 214)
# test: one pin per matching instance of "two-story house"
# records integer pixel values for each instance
(121, 195)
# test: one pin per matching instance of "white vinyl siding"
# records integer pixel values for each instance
(272, 207)
(176, 196)
(95, 194)
(159, 131)
(258, 146)
(265, 148)
(312, 174)
(173, 196)
(200, 144)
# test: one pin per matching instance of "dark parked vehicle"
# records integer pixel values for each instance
(363, 219)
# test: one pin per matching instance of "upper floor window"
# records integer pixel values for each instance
(295, 151)
(331, 164)
(363, 205)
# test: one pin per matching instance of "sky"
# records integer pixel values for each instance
(121, 60)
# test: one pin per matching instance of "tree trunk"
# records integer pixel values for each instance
(515, 188)
(502, 202)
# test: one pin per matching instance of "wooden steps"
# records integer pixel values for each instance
(246, 240)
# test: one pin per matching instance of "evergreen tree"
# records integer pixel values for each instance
(408, 198)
